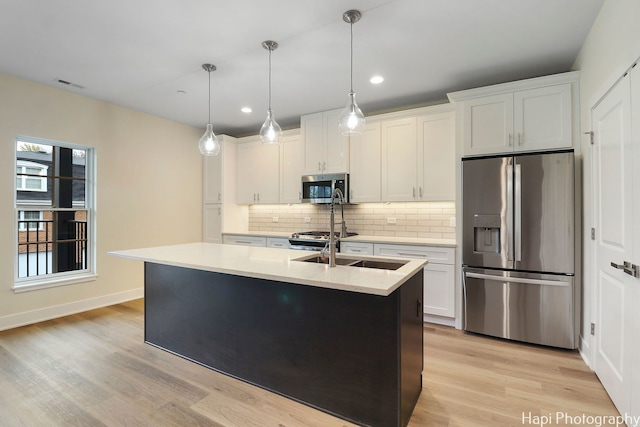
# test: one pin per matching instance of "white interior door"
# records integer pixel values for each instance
(611, 121)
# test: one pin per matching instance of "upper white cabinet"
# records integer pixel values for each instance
(399, 160)
(258, 173)
(291, 168)
(418, 156)
(325, 149)
(530, 115)
(364, 165)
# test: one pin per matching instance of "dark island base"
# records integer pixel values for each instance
(356, 356)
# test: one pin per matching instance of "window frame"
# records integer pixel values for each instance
(29, 283)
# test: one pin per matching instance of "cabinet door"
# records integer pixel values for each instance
(542, 118)
(212, 178)
(399, 160)
(292, 169)
(439, 290)
(247, 173)
(437, 152)
(488, 124)
(360, 248)
(258, 173)
(312, 127)
(212, 223)
(268, 168)
(277, 242)
(364, 165)
(337, 145)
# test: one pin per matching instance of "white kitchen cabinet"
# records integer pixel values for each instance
(325, 149)
(418, 156)
(360, 248)
(365, 165)
(436, 156)
(291, 168)
(212, 172)
(277, 242)
(212, 223)
(439, 276)
(258, 177)
(399, 163)
(244, 240)
(530, 115)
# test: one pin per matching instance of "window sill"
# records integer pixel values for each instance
(44, 283)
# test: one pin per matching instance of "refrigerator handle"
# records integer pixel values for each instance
(509, 212)
(518, 213)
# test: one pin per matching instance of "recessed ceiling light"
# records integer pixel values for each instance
(246, 110)
(376, 80)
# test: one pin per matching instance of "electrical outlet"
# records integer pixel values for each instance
(452, 221)
(391, 220)
(307, 219)
(275, 219)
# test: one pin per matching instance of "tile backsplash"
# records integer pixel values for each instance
(413, 219)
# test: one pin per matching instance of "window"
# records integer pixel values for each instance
(24, 223)
(54, 213)
(31, 176)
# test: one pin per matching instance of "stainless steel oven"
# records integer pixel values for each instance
(318, 188)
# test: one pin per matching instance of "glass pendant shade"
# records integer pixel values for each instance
(209, 144)
(351, 119)
(270, 132)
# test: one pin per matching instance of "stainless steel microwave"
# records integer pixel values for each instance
(318, 188)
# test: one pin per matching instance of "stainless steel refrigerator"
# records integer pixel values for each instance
(519, 246)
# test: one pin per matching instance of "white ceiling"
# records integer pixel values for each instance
(140, 53)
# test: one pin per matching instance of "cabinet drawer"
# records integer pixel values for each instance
(435, 254)
(356, 248)
(276, 242)
(245, 240)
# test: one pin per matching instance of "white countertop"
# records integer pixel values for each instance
(277, 264)
(423, 241)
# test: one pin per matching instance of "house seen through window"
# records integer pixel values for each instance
(53, 211)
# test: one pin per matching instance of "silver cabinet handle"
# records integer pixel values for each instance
(320, 166)
(420, 192)
(299, 195)
(258, 197)
(510, 139)
(519, 138)
(219, 196)
(414, 192)
(324, 166)
(627, 267)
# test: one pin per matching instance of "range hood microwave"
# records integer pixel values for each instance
(318, 188)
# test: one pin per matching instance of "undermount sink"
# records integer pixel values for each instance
(355, 262)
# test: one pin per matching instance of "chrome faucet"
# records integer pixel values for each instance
(343, 230)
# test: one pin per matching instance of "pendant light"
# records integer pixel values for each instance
(270, 132)
(209, 144)
(351, 119)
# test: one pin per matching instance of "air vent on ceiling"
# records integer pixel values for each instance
(67, 83)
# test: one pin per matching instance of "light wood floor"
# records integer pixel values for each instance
(93, 369)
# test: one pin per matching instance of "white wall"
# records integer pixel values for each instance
(149, 191)
(611, 47)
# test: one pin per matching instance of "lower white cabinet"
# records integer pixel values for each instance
(362, 248)
(439, 274)
(277, 242)
(231, 239)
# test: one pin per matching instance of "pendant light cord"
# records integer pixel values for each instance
(209, 96)
(270, 49)
(351, 27)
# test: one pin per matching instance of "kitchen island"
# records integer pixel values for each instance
(346, 340)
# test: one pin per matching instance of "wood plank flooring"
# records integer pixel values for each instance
(93, 369)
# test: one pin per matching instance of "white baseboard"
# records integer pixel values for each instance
(40, 315)
(439, 320)
(585, 351)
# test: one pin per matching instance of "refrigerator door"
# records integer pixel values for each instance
(487, 212)
(544, 212)
(534, 308)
